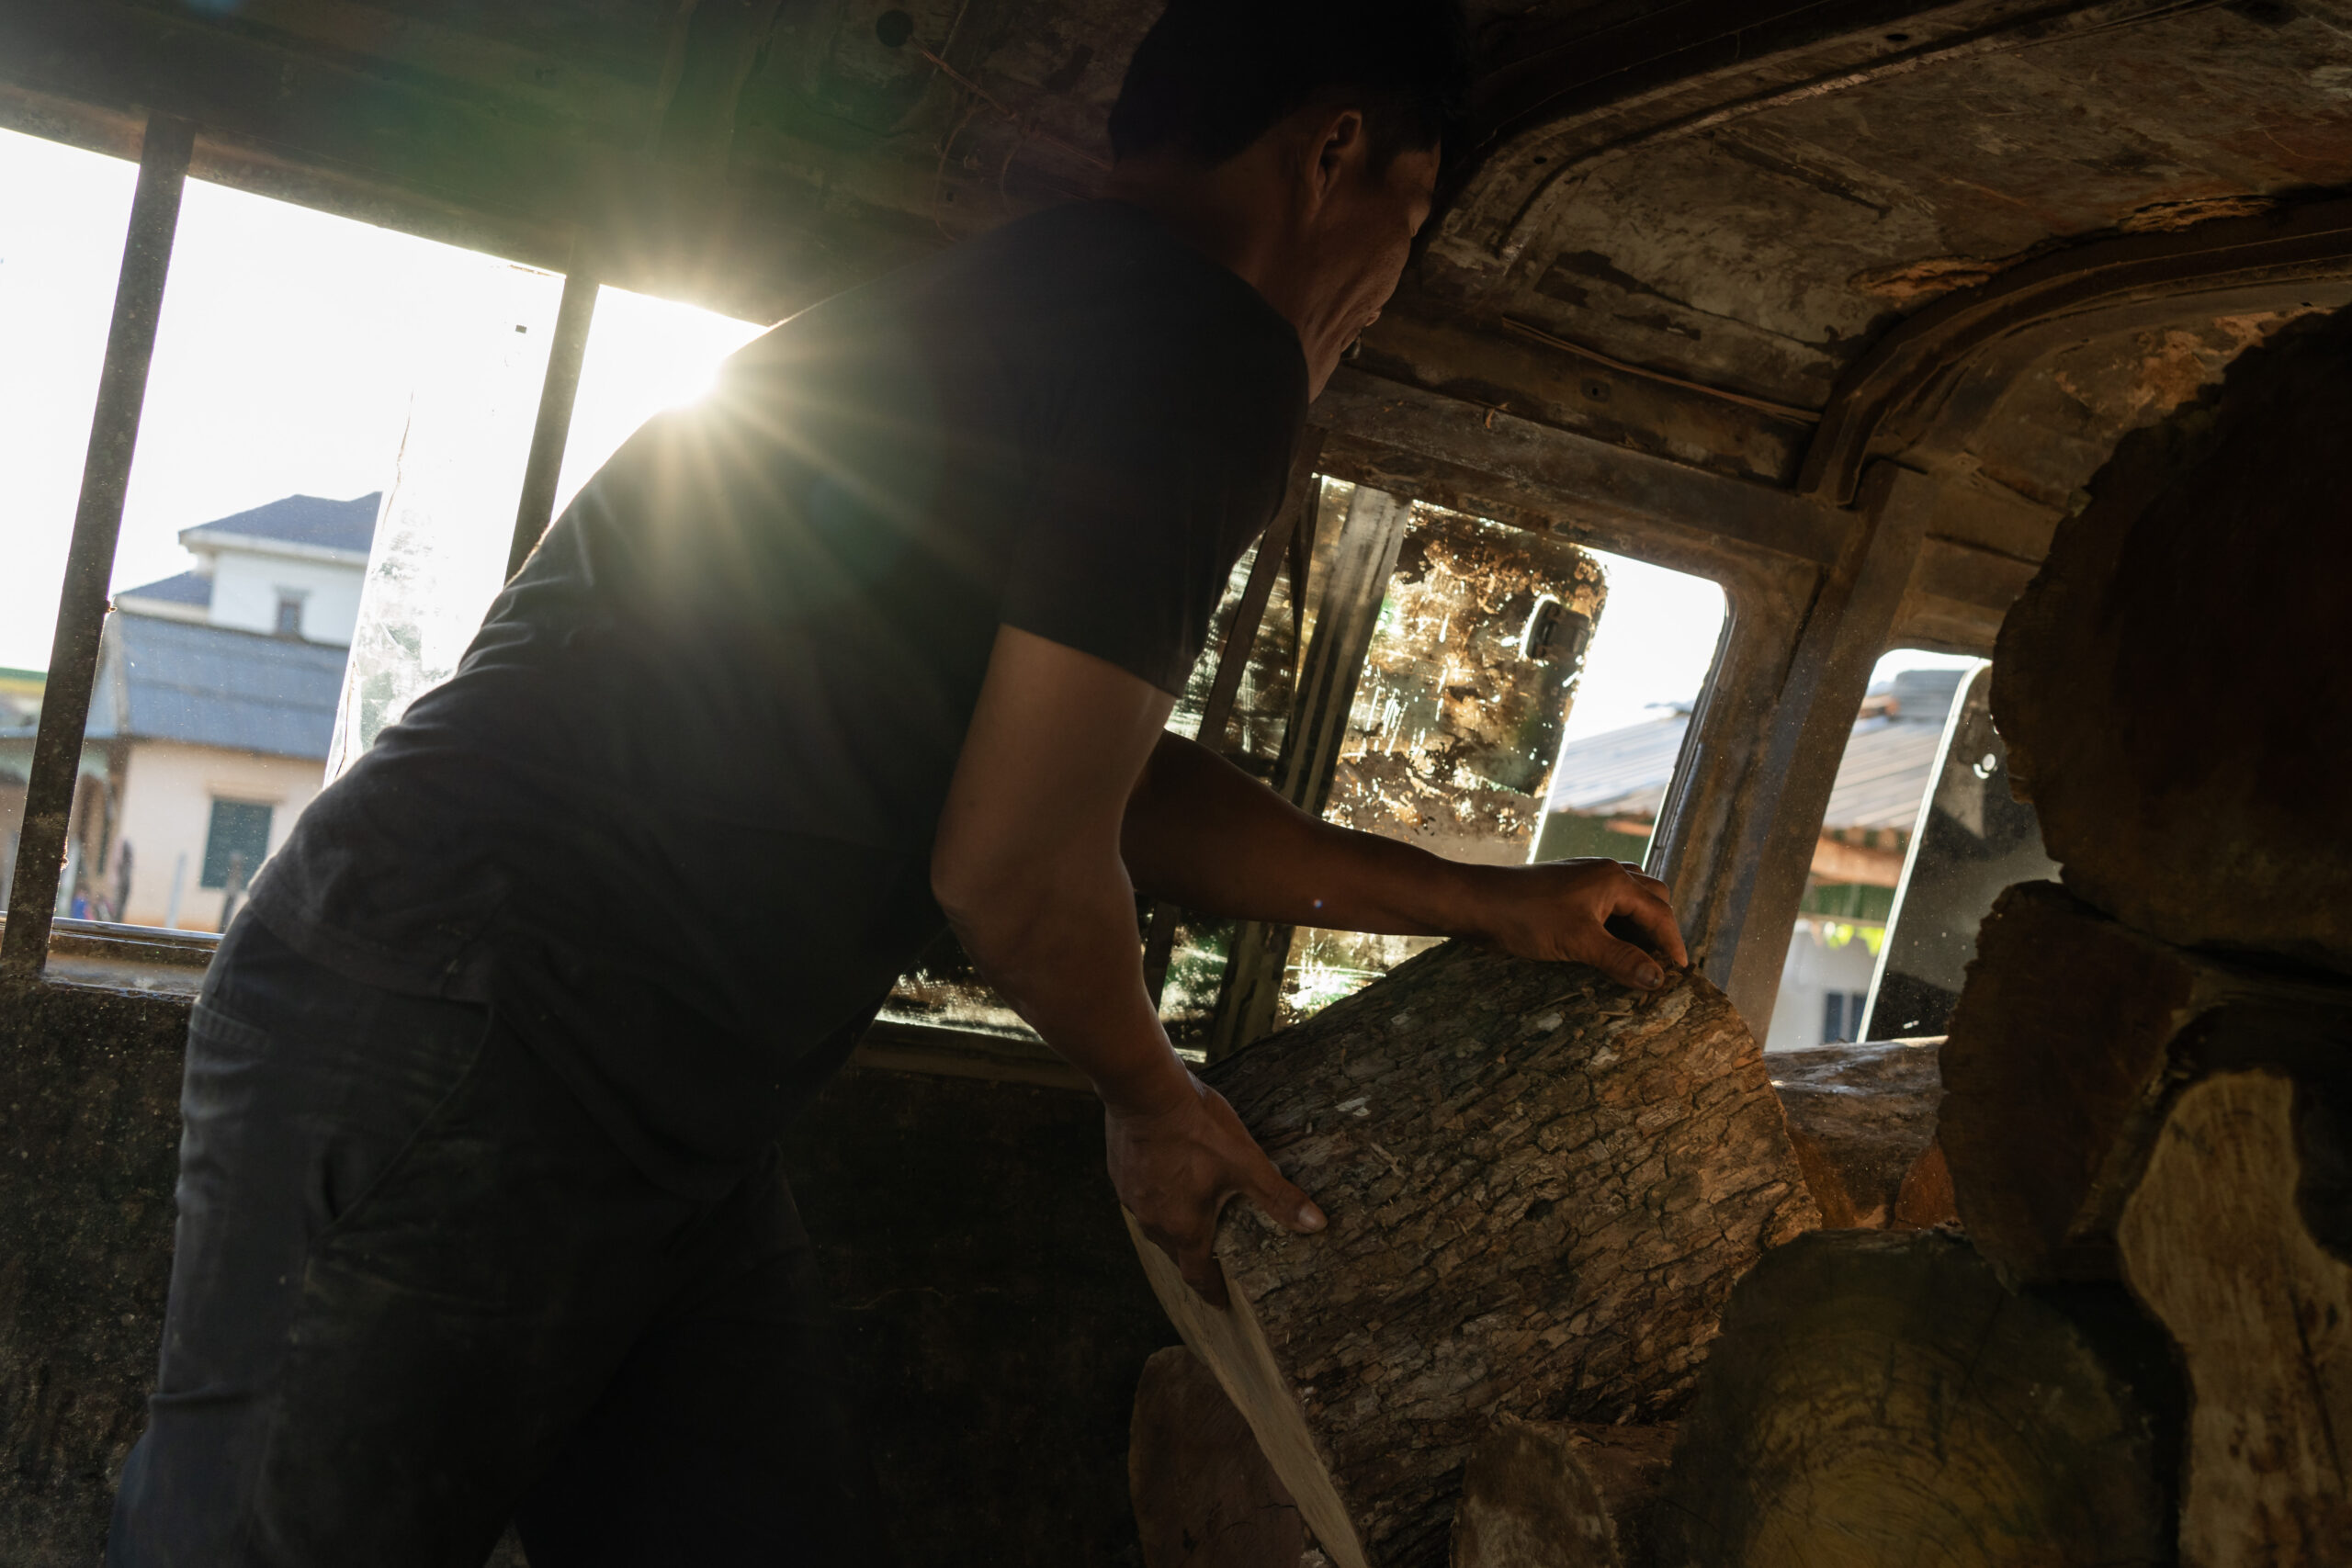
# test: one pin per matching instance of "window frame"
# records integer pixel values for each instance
(166, 149)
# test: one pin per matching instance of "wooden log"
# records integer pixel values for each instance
(1926, 1196)
(2070, 1034)
(1860, 1117)
(1882, 1399)
(1204, 1495)
(2169, 682)
(2215, 1240)
(1560, 1494)
(1541, 1184)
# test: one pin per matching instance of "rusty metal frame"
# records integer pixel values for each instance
(89, 559)
(574, 316)
(1289, 540)
(1887, 398)
(1347, 613)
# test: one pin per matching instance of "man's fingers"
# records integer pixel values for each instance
(1626, 964)
(1655, 916)
(1284, 1204)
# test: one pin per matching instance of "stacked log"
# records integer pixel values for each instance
(1203, 1495)
(1542, 1187)
(2143, 1118)
(1862, 1122)
(1884, 1398)
(2218, 1239)
(1560, 1494)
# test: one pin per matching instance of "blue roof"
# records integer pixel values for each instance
(188, 588)
(216, 686)
(301, 520)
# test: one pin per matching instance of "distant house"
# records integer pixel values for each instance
(1608, 788)
(215, 703)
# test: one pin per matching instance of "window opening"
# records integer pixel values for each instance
(1456, 723)
(1624, 739)
(1972, 839)
(1890, 756)
(304, 364)
(68, 211)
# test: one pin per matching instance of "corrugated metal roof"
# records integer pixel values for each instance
(188, 588)
(1884, 774)
(1620, 769)
(1879, 782)
(215, 687)
(299, 520)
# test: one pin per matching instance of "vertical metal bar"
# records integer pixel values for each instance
(573, 317)
(1233, 657)
(1345, 618)
(89, 559)
(1852, 619)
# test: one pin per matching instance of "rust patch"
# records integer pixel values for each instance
(2171, 217)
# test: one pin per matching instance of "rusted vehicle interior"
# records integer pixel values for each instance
(1842, 308)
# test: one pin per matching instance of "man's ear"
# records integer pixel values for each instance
(1340, 148)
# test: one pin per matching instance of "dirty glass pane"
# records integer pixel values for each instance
(1973, 839)
(440, 544)
(1892, 756)
(1457, 719)
(63, 226)
(1648, 666)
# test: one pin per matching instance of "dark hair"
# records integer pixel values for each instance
(1212, 77)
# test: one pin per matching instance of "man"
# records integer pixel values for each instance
(481, 1209)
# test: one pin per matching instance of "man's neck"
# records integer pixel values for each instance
(1232, 214)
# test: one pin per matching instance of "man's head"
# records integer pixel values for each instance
(1297, 142)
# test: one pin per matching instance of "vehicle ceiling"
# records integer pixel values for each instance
(1986, 237)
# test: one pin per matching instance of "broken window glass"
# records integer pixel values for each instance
(1973, 839)
(1890, 757)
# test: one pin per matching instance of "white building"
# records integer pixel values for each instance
(216, 700)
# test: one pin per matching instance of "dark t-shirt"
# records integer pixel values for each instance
(673, 816)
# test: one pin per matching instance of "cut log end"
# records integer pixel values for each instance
(1874, 1392)
(1203, 1495)
(1560, 1494)
(2215, 1243)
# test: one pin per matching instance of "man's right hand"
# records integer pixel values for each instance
(1175, 1160)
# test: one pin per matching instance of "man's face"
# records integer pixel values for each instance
(1363, 237)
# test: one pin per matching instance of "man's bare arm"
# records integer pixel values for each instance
(1028, 866)
(1206, 834)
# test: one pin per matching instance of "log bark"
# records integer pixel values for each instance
(2072, 1032)
(1204, 1495)
(1542, 1187)
(1560, 1494)
(2167, 684)
(1860, 1117)
(2215, 1241)
(1878, 1399)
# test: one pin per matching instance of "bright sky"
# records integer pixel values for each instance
(1653, 649)
(284, 363)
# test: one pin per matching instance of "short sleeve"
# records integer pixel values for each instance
(1157, 466)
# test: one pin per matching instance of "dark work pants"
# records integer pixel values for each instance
(416, 1293)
